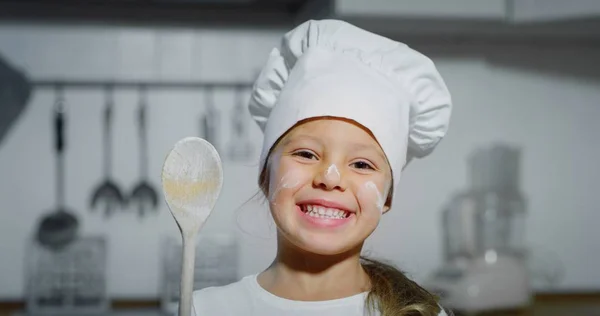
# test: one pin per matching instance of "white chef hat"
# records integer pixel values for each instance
(332, 68)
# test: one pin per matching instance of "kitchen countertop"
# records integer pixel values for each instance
(546, 310)
(553, 305)
(544, 305)
(564, 310)
(131, 312)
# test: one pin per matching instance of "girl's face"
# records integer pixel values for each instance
(328, 184)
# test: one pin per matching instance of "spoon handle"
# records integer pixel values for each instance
(187, 275)
(59, 133)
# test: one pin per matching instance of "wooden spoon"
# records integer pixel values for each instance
(192, 178)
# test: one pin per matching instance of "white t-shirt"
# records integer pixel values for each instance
(247, 297)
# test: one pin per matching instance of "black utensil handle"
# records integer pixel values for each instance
(59, 145)
(142, 116)
(59, 131)
(108, 114)
(108, 109)
(141, 120)
(142, 110)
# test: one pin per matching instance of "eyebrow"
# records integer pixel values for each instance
(294, 139)
(359, 147)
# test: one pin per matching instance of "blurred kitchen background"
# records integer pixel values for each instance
(515, 177)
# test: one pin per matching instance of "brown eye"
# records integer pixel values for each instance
(304, 154)
(362, 165)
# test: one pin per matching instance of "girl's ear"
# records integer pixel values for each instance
(385, 209)
(388, 200)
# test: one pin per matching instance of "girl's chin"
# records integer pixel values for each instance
(321, 245)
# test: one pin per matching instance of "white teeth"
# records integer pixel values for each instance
(323, 212)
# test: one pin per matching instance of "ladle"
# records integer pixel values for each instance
(108, 191)
(59, 228)
(144, 194)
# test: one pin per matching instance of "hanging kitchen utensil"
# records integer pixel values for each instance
(210, 119)
(15, 93)
(59, 228)
(240, 147)
(108, 192)
(144, 195)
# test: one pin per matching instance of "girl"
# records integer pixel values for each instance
(343, 111)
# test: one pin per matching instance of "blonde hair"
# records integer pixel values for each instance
(392, 292)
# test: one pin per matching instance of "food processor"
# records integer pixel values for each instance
(485, 264)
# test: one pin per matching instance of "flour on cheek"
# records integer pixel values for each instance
(370, 196)
(290, 180)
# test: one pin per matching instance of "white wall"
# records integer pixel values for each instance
(514, 94)
(552, 10)
(466, 9)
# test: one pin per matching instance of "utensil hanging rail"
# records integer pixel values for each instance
(135, 84)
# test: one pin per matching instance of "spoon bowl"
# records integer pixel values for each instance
(58, 229)
(144, 196)
(192, 178)
(109, 194)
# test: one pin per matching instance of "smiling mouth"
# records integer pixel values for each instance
(319, 211)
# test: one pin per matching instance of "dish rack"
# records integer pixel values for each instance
(70, 281)
(216, 265)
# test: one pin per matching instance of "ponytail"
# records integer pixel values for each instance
(394, 294)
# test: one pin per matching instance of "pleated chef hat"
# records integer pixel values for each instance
(332, 68)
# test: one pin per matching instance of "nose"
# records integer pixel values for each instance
(329, 177)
